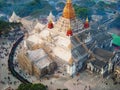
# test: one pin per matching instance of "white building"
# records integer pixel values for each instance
(63, 41)
(14, 18)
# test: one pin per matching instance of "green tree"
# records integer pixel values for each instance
(32, 87)
(5, 27)
(61, 4)
(81, 11)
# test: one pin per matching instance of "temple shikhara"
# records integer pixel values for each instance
(65, 44)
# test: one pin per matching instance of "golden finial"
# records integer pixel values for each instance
(87, 19)
(69, 27)
(68, 1)
(50, 21)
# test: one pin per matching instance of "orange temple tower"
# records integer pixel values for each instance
(68, 11)
(68, 19)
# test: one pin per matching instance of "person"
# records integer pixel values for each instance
(89, 87)
(85, 88)
(51, 82)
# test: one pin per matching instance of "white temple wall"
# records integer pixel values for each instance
(71, 70)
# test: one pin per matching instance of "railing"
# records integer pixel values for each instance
(10, 61)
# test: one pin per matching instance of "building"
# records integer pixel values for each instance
(37, 62)
(117, 72)
(102, 63)
(51, 17)
(65, 42)
(14, 18)
(107, 1)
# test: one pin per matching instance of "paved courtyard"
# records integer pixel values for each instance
(85, 81)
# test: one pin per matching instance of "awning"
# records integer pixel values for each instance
(116, 39)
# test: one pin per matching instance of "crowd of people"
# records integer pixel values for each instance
(6, 43)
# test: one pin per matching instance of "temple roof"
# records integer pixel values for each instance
(104, 54)
(14, 17)
(51, 17)
(98, 64)
(68, 11)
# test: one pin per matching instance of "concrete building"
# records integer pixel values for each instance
(102, 63)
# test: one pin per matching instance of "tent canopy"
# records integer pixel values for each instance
(116, 39)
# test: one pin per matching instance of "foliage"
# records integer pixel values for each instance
(81, 11)
(24, 7)
(5, 27)
(32, 87)
(89, 3)
(60, 4)
(115, 23)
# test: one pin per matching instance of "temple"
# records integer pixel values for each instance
(14, 18)
(66, 43)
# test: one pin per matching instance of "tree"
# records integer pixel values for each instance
(61, 4)
(32, 87)
(24, 86)
(115, 23)
(81, 11)
(5, 27)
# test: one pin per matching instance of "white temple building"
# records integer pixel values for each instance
(14, 18)
(64, 41)
(51, 17)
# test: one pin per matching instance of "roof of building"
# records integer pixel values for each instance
(35, 55)
(63, 42)
(39, 58)
(65, 55)
(43, 62)
(14, 17)
(98, 64)
(39, 26)
(79, 52)
(51, 17)
(34, 39)
(106, 55)
(116, 39)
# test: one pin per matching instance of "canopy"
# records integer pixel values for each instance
(116, 39)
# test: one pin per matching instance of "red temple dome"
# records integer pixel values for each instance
(50, 25)
(86, 24)
(69, 32)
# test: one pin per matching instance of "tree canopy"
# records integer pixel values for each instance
(5, 27)
(61, 4)
(81, 12)
(32, 87)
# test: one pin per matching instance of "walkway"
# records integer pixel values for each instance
(10, 62)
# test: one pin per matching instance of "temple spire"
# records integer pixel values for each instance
(69, 11)
(69, 1)
(86, 24)
(87, 19)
